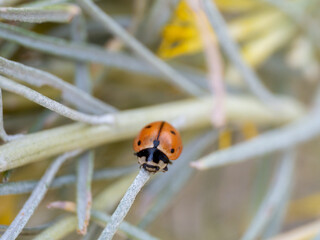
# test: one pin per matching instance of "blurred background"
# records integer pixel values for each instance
(278, 41)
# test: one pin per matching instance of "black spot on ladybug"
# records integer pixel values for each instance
(149, 126)
(173, 132)
(172, 150)
(139, 143)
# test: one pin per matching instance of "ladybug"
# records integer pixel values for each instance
(157, 144)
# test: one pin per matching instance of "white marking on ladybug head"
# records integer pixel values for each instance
(142, 160)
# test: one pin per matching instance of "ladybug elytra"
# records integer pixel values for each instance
(156, 145)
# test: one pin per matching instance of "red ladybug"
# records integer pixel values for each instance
(157, 144)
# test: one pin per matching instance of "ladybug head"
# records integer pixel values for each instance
(153, 155)
(153, 160)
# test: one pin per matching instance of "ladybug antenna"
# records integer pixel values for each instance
(156, 143)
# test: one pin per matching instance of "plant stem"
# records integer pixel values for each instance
(125, 205)
(36, 197)
(48, 143)
(46, 102)
(176, 78)
(61, 14)
(22, 187)
(82, 100)
(233, 52)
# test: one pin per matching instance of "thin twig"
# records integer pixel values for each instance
(93, 232)
(131, 230)
(156, 20)
(29, 230)
(85, 162)
(106, 200)
(306, 231)
(109, 198)
(82, 100)
(82, 72)
(196, 75)
(169, 186)
(214, 62)
(254, 23)
(233, 52)
(44, 3)
(84, 195)
(125, 205)
(139, 10)
(278, 191)
(139, 7)
(46, 102)
(277, 221)
(36, 197)
(8, 49)
(86, 52)
(306, 128)
(75, 51)
(102, 219)
(61, 14)
(22, 187)
(3, 135)
(59, 230)
(292, 9)
(254, 51)
(48, 143)
(111, 25)
(292, 134)
(298, 12)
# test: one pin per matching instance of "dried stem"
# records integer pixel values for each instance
(214, 62)
(124, 226)
(278, 191)
(36, 197)
(29, 230)
(292, 134)
(106, 200)
(46, 102)
(86, 160)
(167, 186)
(306, 231)
(304, 129)
(233, 52)
(125, 205)
(3, 135)
(76, 51)
(84, 196)
(142, 51)
(66, 180)
(82, 72)
(55, 141)
(44, 3)
(82, 100)
(61, 14)
(59, 229)
(8, 49)
(102, 219)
